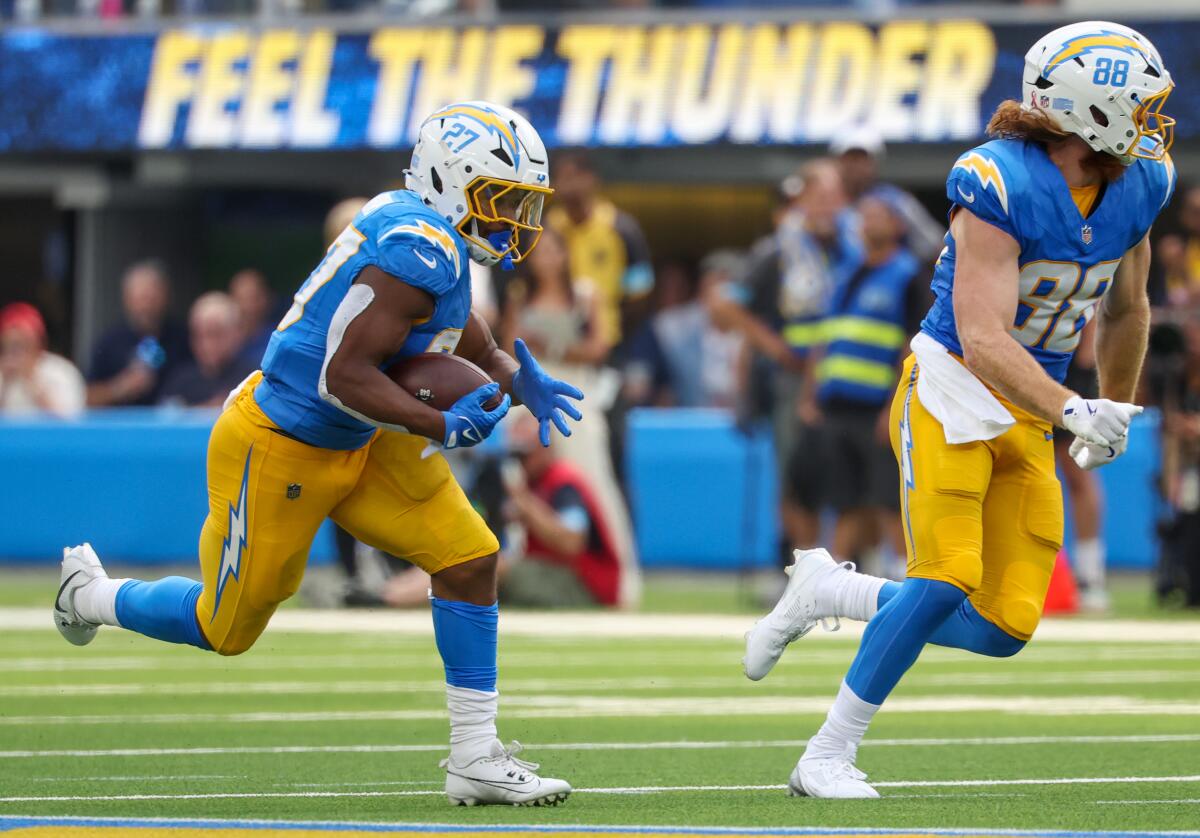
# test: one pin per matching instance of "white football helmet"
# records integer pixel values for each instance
(1105, 83)
(475, 162)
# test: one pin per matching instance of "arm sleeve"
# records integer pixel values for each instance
(421, 259)
(979, 184)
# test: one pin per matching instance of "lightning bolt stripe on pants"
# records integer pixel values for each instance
(235, 541)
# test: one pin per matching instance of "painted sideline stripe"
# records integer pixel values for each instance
(682, 745)
(592, 706)
(594, 624)
(1048, 781)
(919, 679)
(575, 829)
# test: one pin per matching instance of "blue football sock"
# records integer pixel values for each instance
(164, 610)
(466, 640)
(897, 634)
(966, 629)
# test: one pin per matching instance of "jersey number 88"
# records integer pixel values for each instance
(1057, 300)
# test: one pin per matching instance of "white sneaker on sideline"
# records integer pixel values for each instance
(1094, 601)
(794, 615)
(835, 777)
(501, 778)
(80, 565)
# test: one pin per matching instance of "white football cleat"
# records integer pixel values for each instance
(501, 778)
(835, 778)
(80, 565)
(794, 615)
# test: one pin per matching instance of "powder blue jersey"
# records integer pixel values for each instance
(397, 233)
(1067, 262)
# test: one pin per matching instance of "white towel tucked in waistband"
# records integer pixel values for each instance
(955, 397)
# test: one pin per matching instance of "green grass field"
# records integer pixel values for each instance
(1100, 733)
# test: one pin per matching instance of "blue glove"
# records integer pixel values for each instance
(544, 396)
(468, 423)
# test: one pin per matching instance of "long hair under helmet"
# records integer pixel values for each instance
(475, 162)
(1106, 84)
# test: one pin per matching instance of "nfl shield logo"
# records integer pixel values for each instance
(293, 491)
(1086, 234)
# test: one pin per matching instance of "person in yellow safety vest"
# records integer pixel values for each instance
(606, 246)
(777, 305)
(875, 308)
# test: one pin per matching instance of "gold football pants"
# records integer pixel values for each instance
(984, 516)
(269, 493)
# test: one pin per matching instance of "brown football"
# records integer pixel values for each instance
(440, 379)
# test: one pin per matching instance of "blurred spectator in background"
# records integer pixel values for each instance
(876, 307)
(256, 309)
(569, 557)
(33, 380)
(605, 245)
(777, 305)
(858, 152)
(1083, 487)
(215, 332)
(340, 216)
(1179, 254)
(1174, 370)
(557, 314)
(699, 358)
(130, 362)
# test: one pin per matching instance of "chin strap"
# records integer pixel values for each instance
(499, 242)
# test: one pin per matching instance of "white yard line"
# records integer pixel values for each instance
(514, 685)
(1147, 802)
(683, 745)
(591, 624)
(1049, 781)
(798, 831)
(592, 706)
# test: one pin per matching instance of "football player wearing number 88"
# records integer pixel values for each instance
(1049, 229)
(322, 432)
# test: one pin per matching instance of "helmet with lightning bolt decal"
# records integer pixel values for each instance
(484, 169)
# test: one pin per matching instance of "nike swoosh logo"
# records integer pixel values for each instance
(58, 599)
(430, 262)
(496, 784)
(969, 198)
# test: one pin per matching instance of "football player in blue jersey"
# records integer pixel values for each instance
(1049, 228)
(321, 431)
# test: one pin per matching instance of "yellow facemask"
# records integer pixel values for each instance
(1151, 122)
(516, 205)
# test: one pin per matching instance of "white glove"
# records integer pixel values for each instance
(1098, 421)
(1089, 457)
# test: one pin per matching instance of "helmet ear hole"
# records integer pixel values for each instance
(435, 180)
(1098, 116)
(1042, 83)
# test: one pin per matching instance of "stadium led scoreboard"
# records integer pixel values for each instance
(673, 83)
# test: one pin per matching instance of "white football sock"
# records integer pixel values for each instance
(96, 601)
(844, 727)
(1089, 563)
(472, 723)
(849, 594)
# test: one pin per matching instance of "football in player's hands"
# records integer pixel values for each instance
(440, 379)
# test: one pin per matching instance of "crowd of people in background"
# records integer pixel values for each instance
(803, 334)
